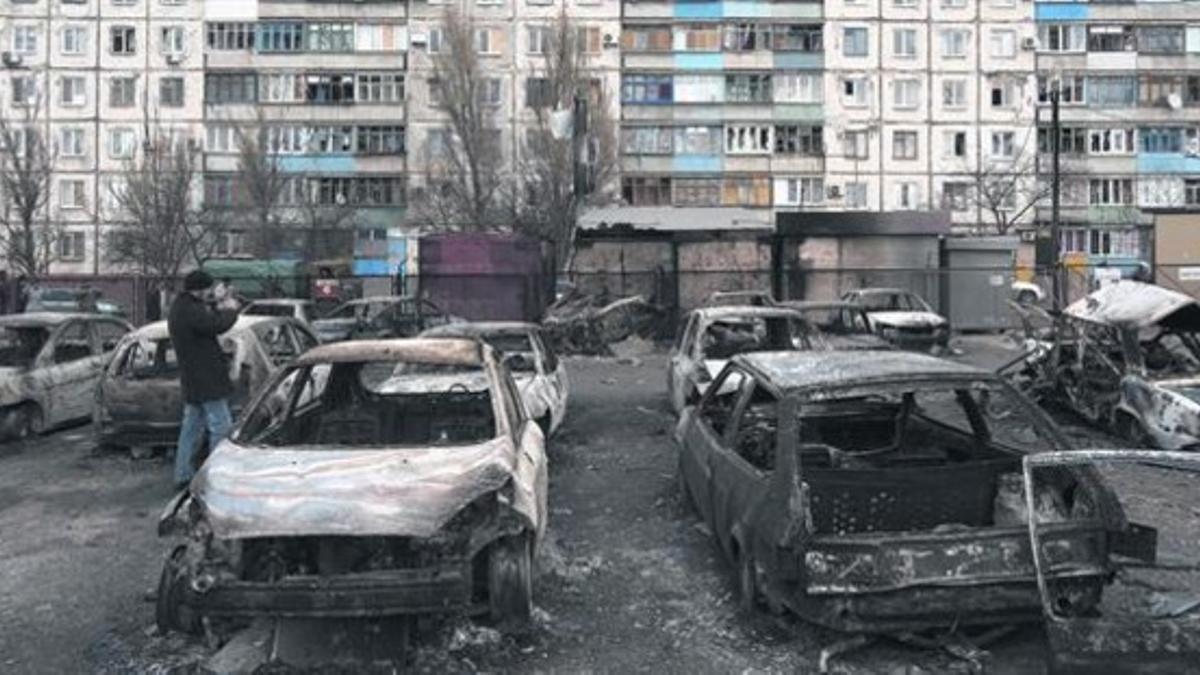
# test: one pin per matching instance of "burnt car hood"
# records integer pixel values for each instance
(850, 343)
(906, 319)
(409, 492)
(339, 326)
(1188, 388)
(1138, 304)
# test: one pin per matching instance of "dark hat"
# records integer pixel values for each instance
(198, 280)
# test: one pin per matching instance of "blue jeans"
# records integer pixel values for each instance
(211, 414)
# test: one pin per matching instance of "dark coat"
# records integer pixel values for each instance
(203, 369)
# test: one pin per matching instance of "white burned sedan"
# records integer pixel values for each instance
(539, 373)
(368, 479)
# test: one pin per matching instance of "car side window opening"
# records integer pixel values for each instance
(109, 334)
(21, 345)
(725, 339)
(717, 407)
(149, 359)
(550, 359)
(305, 339)
(757, 426)
(74, 343)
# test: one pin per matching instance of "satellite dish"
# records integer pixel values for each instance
(1174, 101)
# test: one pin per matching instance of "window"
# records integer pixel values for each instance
(746, 37)
(854, 42)
(230, 36)
(297, 140)
(588, 39)
(170, 92)
(380, 88)
(799, 87)
(281, 88)
(25, 39)
(172, 40)
(904, 145)
(71, 246)
(1110, 191)
(1111, 39)
(697, 141)
(122, 40)
(956, 196)
(1002, 94)
(487, 91)
(122, 92)
(954, 43)
(337, 37)
(904, 43)
(954, 93)
(855, 145)
(220, 191)
(331, 140)
(1111, 141)
(329, 88)
(1062, 37)
(856, 92)
(280, 36)
(646, 141)
(904, 3)
(379, 37)
(70, 142)
(74, 41)
(856, 195)
(956, 144)
(954, 4)
(697, 192)
(1112, 90)
(1161, 139)
(746, 191)
(697, 38)
(1157, 90)
(1191, 191)
(539, 93)
(358, 191)
(646, 190)
(803, 191)
(1072, 141)
(231, 243)
(747, 139)
(794, 139)
(748, 88)
(1070, 88)
(1003, 44)
(1003, 144)
(646, 38)
(222, 88)
(798, 38)
(1160, 39)
(71, 194)
(488, 40)
(72, 91)
(907, 195)
(121, 143)
(906, 93)
(538, 39)
(637, 88)
(24, 91)
(436, 38)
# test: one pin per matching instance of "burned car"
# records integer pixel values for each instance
(139, 401)
(881, 492)
(713, 335)
(381, 317)
(1126, 357)
(750, 298)
(540, 374)
(841, 325)
(367, 479)
(902, 317)
(49, 366)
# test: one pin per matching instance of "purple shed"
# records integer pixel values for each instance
(486, 277)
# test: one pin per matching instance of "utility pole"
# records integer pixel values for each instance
(1056, 186)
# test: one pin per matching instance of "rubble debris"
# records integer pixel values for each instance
(470, 635)
(581, 325)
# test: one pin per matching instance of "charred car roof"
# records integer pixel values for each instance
(797, 371)
(42, 319)
(735, 312)
(437, 351)
(1137, 304)
(159, 331)
(481, 328)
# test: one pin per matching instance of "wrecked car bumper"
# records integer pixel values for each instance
(445, 588)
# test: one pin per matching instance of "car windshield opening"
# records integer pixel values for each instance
(516, 349)
(150, 360)
(19, 346)
(269, 310)
(374, 405)
(892, 302)
(726, 338)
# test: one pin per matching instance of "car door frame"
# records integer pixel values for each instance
(681, 363)
(700, 442)
(76, 378)
(737, 485)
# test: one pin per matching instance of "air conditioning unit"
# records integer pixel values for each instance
(610, 41)
(174, 59)
(10, 59)
(418, 38)
(1029, 44)
(834, 192)
(1173, 101)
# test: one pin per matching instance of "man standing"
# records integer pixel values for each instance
(195, 324)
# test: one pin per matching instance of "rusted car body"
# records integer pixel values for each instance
(49, 366)
(367, 479)
(880, 492)
(711, 336)
(1127, 357)
(841, 325)
(902, 317)
(1148, 620)
(381, 317)
(540, 374)
(740, 299)
(138, 400)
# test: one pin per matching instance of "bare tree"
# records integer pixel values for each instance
(164, 227)
(553, 195)
(320, 223)
(466, 168)
(27, 164)
(265, 189)
(1008, 190)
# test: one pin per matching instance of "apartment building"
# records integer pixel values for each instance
(1128, 77)
(95, 77)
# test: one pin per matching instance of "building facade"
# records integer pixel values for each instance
(874, 105)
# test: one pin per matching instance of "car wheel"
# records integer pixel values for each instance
(510, 579)
(169, 612)
(747, 582)
(31, 422)
(1026, 298)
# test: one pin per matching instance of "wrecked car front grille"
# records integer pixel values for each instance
(271, 559)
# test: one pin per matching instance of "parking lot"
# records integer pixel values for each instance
(629, 580)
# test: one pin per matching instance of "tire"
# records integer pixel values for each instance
(169, 612)
(32, 422)
(1027, 298)
(510, 580)
(748, 594)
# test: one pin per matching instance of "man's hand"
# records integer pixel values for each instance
(229, 304)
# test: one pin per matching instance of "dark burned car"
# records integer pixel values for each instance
(138, 399)
(368, 479)
(381, 317)
(881, 492)
(842, 325)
